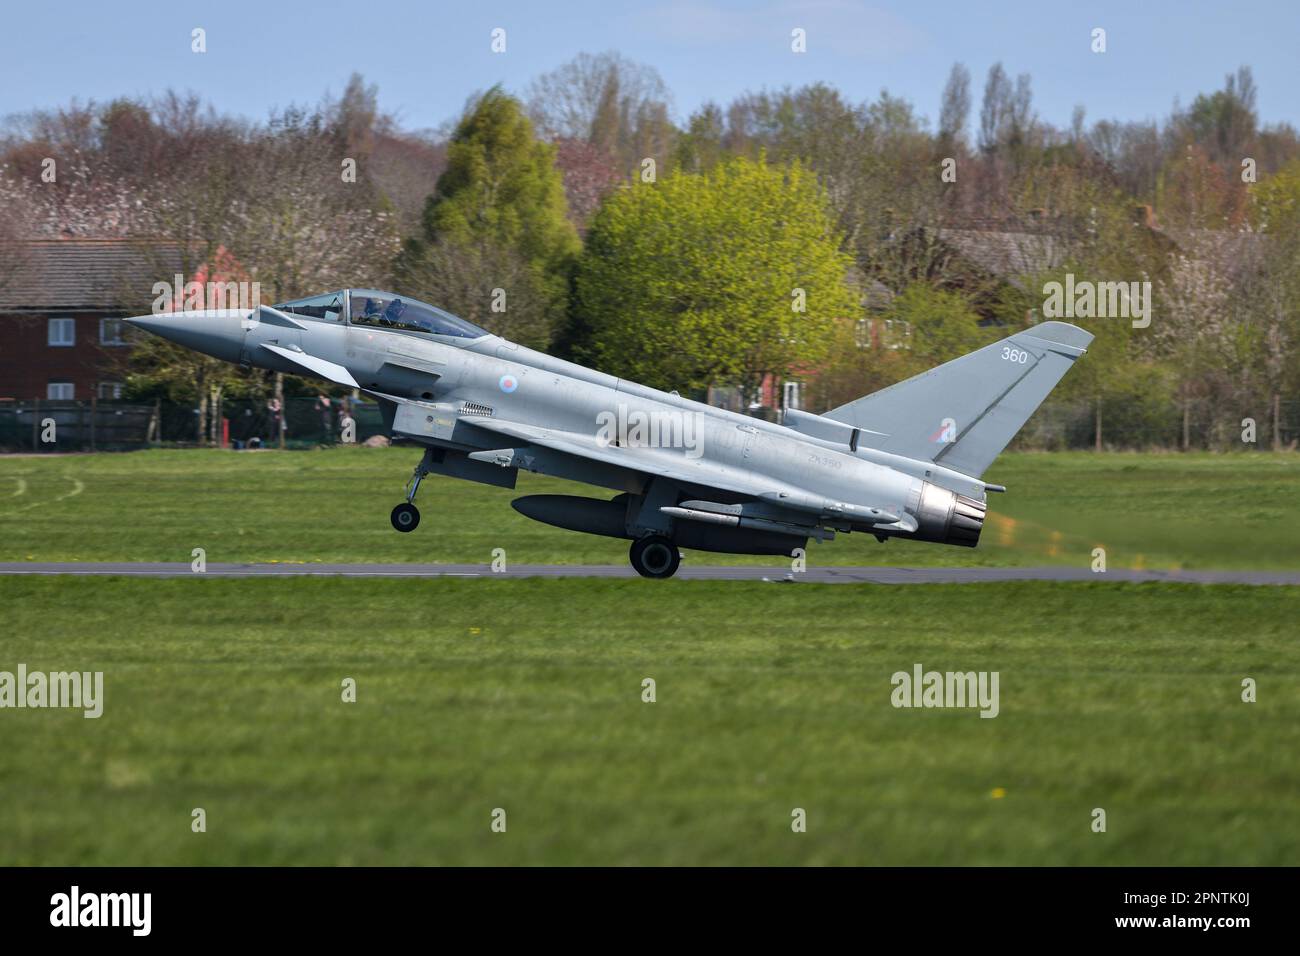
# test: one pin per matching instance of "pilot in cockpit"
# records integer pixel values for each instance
(393, 313)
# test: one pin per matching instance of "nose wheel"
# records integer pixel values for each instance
(406, 517)
(655, 556)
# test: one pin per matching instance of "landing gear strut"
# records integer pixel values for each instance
(655, 556)
(406, 517)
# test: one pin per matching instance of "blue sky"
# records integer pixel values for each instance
(428, 57)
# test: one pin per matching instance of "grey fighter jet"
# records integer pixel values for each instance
(904, 462)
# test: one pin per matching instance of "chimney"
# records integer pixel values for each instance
(1145, 216)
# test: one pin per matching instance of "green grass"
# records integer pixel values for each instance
(1192, 511)
(526, 695)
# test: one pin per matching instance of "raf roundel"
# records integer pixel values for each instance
(508, 383)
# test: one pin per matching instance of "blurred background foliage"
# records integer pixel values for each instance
(789, 235)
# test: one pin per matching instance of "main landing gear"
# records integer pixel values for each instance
(406, 517)
(655, 556)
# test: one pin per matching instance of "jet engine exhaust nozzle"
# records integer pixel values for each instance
(967, 521)
(949, 518)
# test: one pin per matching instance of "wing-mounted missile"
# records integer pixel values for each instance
(764, 515)
(736, 520)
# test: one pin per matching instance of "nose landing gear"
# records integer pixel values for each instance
(406, 517)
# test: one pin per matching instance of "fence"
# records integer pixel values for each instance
(50, 426)
(73, 426)
(1156, 425)
(108, 425)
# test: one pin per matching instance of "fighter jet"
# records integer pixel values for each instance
(904, 462)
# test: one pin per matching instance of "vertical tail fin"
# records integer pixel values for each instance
(963, 413)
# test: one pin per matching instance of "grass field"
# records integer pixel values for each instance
(526, 695)
(1158, 511)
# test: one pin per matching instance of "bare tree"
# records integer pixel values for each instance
(491, 286)
(213, 199)
(1273, 318)
(607, 100)
(955, 107)
(994, 109)
(1006, 114)
(1196, 326)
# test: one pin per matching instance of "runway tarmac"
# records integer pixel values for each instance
(840, 575)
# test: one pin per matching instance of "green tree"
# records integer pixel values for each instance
(1102, 379)
(936, 326)
(921, 328)
(716, 278)
(1225, 122)
(701, 145)
(1272, 297)
(499, 205)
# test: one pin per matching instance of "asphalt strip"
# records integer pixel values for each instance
(826, 575)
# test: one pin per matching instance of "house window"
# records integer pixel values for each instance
(898, 334)
(111, 332)
(109, 390)
(790, 394)
(63, 332)
(60, 391)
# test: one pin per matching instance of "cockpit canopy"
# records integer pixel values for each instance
(389, 310)
(386, 310)
(326, 308)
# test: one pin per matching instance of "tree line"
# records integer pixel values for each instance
(786, 234)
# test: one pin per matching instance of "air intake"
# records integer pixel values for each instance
(474, 408)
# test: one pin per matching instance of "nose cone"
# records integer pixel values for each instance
(215, 332)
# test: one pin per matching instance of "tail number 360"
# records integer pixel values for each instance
(1019, 356)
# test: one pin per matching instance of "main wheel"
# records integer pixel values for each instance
(655, 557)
(405, 517)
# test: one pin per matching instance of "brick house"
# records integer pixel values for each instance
(62, 302)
